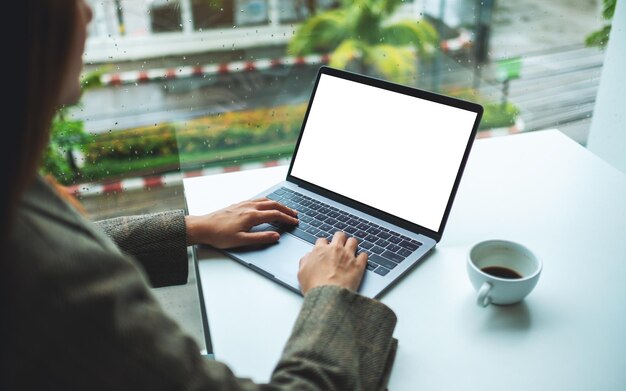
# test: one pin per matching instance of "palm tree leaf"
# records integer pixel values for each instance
(322, 32)
(608, 9)
(365, 23)
(385, 7)
(349, 50)
(394, 63)
(419, 34)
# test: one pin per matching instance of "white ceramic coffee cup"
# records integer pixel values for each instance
(506, 254)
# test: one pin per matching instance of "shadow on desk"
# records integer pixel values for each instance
(206, 252)
(500, 320)
(510, 318)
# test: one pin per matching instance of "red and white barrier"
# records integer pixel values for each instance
(171, 179)
(464, 40)
(132, 77)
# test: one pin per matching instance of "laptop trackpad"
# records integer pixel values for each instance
(280, 259)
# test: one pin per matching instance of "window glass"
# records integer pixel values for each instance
(165, 16)
(299, 10)
(176, 88)
(222, 13)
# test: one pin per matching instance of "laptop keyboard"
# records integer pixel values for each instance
(384, 247)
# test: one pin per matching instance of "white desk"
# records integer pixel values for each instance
(541, 189)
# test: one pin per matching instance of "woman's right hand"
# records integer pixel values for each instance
(333, 263)
(230, 227)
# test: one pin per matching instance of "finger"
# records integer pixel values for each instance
(361, 260)
(271, 205)
(339, 238)
(266, 237)
(321, 242)
(270, 216)
(352, 244)
(266, 203)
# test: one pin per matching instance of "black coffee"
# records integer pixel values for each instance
(501, 272)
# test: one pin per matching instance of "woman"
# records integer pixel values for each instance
(78, 312)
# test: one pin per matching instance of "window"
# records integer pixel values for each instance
(165, 16)
(193, 87)
(213, 14)
(296, 11)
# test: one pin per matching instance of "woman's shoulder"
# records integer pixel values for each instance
(52, 245)
(43, 235)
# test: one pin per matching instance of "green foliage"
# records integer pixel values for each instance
(345, 53)
(93, 79)
(407, 32)
(67, 135)
(397, 63)
(148, 165)
(212, 139)
(495, 114)
(600, 37)
(54, 162)
(360, 35)
(608, 9)
(321, 33)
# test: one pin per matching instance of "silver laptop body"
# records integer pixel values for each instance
(377, 160)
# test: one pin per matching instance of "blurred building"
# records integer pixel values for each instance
(124, 30)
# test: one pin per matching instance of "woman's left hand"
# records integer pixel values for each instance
(230, 227)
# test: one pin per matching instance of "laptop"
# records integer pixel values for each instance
(377, 160)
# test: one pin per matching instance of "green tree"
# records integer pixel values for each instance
(67, 135)
(601, 37)
(361, 35)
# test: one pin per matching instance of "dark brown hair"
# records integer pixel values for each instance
(38, 52)
(43, 59)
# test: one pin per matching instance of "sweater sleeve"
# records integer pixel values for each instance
(157, 241)
(357, 331)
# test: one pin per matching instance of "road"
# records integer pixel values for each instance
(122, 107)
(527, 26)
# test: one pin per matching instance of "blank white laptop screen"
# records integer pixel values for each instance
(394, 152)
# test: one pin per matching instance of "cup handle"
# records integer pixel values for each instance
(484, 299)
